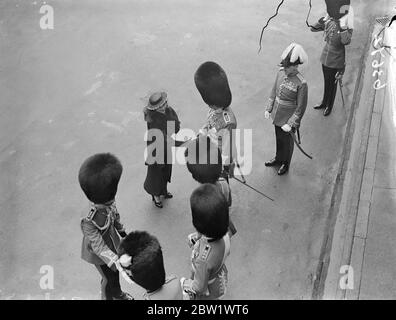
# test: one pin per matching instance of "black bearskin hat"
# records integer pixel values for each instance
(335, 8)
(99, 176)
(146, 263)
(209, 211)
(212, 83)
(203, 160)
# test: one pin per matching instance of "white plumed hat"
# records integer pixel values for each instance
(294, 54)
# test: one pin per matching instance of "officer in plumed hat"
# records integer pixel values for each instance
(287, 104)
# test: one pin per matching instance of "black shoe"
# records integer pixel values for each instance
(168, 195)
(158, 204)
(271, 163)
(319, 106)
(327, 111)
(283, 169)
(123, 296)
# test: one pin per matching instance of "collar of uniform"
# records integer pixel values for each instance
(216, 110)
(103, 206)
(290, 75)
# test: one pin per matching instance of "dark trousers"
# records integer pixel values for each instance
(330, 87)
(284, 146)
(110, 284)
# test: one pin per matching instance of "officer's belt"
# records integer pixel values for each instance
(285, 102)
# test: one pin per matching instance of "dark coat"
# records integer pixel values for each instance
(159, 169)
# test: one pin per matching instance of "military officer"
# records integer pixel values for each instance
(212, 83)
(141, 258)
(338, 29)
(211, 244)
(287, 104)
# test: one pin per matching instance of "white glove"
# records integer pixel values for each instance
(266, 115)
(286, 128)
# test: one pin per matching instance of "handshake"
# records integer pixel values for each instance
(285, 127)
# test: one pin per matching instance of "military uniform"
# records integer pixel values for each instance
(209, 273)
(100, 242)
(287, 104)
(333, 59)
(219, 126)
(171, 290)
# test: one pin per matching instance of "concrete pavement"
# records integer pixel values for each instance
(364, 234)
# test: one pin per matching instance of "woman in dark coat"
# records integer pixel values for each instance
(162, 117)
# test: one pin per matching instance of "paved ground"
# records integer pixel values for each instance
(80, 88)
(373, 254)
(365, 226)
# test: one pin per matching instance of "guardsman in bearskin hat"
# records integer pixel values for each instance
(99, 176)
(335, 9)
(141, 257)
(204, 162)
(212, 83)
(338, 29)
(210, 249)
(287, 104)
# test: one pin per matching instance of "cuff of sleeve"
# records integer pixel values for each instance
(294, 121)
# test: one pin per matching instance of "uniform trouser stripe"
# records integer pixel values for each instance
(330, 87)
(284, 146)
(110, 283)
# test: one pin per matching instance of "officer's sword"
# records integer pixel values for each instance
(298, 142)
(243, 181)
(342, 92)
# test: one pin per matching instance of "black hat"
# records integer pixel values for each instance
(99, 176)
(212, 83)
(336, 9)
(146, 263)
(209, 210)
(203, 160)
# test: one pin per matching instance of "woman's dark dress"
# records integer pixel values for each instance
(159, 174)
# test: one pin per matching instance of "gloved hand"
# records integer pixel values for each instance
(266, 115)
(286, 128)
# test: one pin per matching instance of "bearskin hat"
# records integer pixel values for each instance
(146, 264)
(209, 211)
(99, 176)
(335, 8)
(212, 83)
(203, 160)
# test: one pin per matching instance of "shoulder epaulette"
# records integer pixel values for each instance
(301, 78)
(227, 118)
(205, 252)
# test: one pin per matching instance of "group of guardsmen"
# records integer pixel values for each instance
(210, 158)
